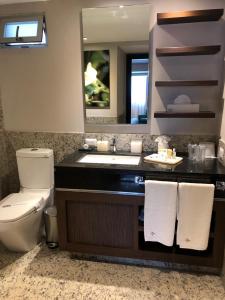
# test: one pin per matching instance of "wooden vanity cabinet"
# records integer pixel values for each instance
(99, 208)
(98, 222)
(106, 223)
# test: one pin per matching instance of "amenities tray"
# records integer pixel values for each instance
(154, 158)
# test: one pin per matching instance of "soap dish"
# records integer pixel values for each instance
(86, 150)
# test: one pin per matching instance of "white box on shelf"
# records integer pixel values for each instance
(183, 107)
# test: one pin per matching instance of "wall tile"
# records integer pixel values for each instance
(179, 142)
(222, 145)
(66, 143)
(61, 143)
(4, 176)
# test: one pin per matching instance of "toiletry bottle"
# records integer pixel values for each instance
(174, 153)
(169, 153)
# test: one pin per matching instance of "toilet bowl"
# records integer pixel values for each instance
(21, 214)
(21, 219)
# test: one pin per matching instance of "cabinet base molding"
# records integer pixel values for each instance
(145, 263)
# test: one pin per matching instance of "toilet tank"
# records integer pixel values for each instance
(36, 168)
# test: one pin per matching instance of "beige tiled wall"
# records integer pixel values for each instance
(66, 143)
(3, 158)
(221, 155)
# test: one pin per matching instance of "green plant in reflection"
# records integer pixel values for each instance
(97, 92)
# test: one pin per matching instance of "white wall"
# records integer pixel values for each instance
(190, 68)
(41, 89)
(121, 85)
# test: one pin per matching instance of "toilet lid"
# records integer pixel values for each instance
(16, 206)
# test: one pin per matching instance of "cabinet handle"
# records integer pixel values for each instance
(100, 192)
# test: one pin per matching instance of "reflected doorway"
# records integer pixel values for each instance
(137, 88)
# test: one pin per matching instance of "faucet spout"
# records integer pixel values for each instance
(114, 145)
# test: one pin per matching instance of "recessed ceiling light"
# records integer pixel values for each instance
(121, 6)
(85, 38)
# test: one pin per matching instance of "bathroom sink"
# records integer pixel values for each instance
(110, 159)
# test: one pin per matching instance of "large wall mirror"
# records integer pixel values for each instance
(116, 64)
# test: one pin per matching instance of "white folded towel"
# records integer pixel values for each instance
(195, 203)
(160, 211)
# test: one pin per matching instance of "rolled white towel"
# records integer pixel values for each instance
(182, 99)
(91, 142)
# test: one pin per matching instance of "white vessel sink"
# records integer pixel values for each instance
(110, 159)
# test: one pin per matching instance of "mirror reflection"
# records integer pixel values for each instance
(116, 64)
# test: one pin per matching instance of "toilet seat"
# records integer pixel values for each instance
(43, 193)
(16, 206)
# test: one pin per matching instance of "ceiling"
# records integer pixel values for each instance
(116, 24)
(17, 1)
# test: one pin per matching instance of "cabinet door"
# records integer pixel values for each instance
(97, 222)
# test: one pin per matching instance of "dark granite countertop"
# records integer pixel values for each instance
(186, 167)
(70, 174)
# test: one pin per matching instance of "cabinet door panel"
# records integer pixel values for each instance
(94, 222)
(100, 224)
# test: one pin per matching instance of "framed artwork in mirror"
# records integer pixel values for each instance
(97, 79)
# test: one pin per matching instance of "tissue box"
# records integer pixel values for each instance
(183, 107)
(103, 146)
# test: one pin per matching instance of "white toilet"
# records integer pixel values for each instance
(21, 213)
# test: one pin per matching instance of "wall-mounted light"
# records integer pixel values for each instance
(85, 38)
(121, 6)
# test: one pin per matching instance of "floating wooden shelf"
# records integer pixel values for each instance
(201, 114)
(189, 16)
(184, 51)
(187, 83)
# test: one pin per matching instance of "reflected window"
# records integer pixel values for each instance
(139, 93)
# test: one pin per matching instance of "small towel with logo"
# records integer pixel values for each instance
(194, 215)
(160, 211)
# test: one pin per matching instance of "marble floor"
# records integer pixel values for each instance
(51, 274)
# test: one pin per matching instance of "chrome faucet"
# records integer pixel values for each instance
(114, 145)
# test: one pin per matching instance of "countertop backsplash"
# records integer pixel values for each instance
(66, 143)
(4, 171)
(179, 142)
(222, 145)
